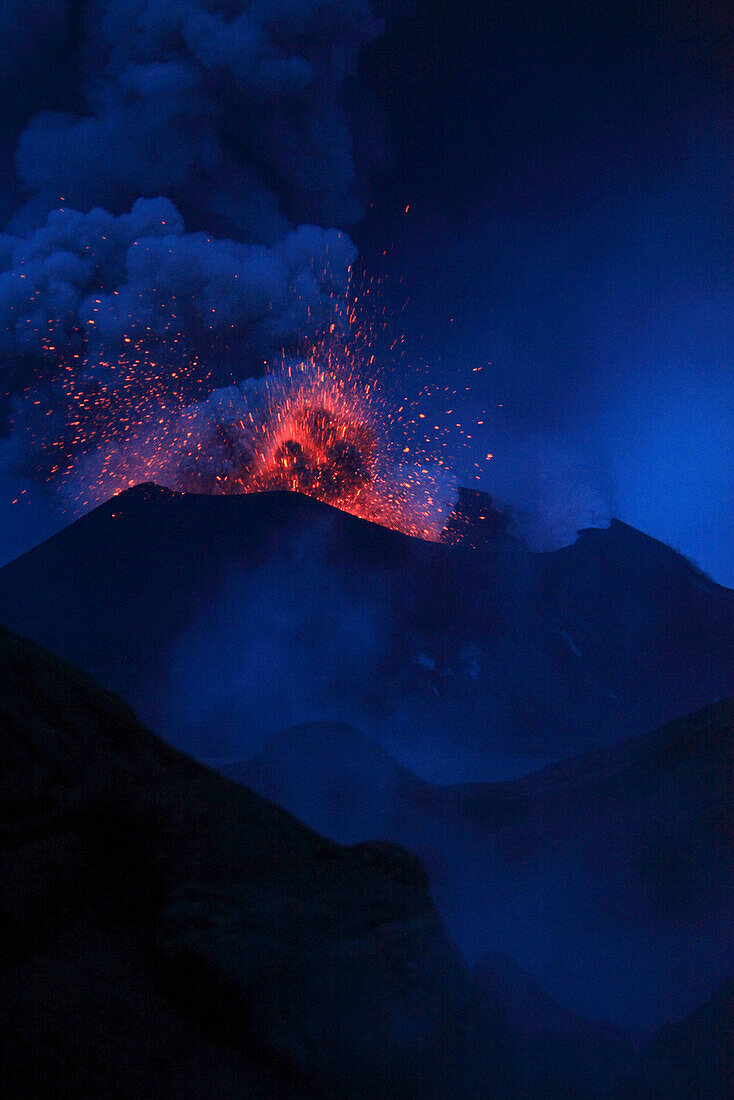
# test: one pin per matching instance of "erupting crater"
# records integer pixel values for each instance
(327, 424)
(310, 429)
(303, 427)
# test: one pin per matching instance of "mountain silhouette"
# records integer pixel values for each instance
(690, 1058)
(609, 876)
(166, 932)
(223, 619)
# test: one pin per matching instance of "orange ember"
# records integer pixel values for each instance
(321, 425)
(304, 427)
(326, 438)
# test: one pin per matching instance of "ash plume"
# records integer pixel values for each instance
(175, 201)
(230, 109)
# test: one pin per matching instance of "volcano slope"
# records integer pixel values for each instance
(689, 1059)
(225, 618)
(166, 932)
(609, 876)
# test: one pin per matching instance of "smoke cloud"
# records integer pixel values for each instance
(85, 289)
(175, 198)
(232, 110)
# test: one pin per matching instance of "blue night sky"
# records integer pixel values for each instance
(569, 170)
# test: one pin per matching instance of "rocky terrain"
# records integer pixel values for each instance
(560, 1053)
(223, 619)
(166, 932)
(609, 876)
(691, 1058)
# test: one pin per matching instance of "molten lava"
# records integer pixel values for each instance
(327, 446)
(323, 424)
(319, 452)
(320, 432)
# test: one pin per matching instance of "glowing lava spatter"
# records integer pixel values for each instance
(327, 434)
(319, 424)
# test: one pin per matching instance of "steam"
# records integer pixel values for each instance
(553, 488)
(228, 688)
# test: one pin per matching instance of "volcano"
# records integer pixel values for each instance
(624, 856)
(223, 619)
(166, 932)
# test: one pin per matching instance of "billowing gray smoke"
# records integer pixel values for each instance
(229, 108)
(178, 193)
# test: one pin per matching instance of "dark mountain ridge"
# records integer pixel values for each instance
(626, 855)
(690, 1058)
(166, 932)
(449, 655)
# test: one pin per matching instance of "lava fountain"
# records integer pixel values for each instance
(327, 434)
(320, 424)
(310, 427)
